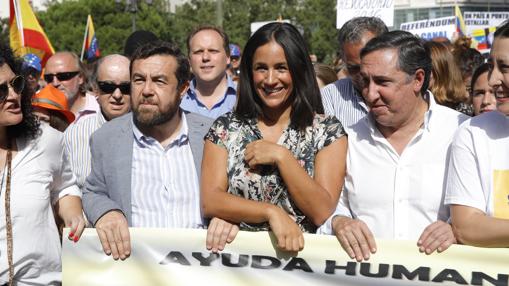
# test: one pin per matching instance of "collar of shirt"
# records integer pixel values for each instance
(230, 90)
(91, 107)
(360, 99)
(428, 96)
(100, 118)
(181, 139)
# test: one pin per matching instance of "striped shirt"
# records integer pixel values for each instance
(165, 191)
(90, 108)
(342, 100)
(76, 144)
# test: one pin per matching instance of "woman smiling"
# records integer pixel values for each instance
(276, 163)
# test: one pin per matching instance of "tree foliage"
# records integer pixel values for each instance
(64, 21)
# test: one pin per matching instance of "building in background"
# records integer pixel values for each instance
(415, 10)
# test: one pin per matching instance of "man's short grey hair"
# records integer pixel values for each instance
(353, 30)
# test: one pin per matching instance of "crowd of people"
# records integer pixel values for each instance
(254, 139)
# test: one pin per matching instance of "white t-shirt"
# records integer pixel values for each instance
(478, 174)
(41, 175)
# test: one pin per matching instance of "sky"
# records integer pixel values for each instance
(4, 7)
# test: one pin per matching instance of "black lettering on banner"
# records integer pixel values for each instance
(175, 257)
(226, 260)
(383, 270)
(297, 263)
(450, 275)
(205, 261)
(398, 271)
(257, 262)
(331, 266)
(478, 278)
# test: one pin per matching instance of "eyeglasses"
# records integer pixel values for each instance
(17, 84)
(109, 87)
(61, 76)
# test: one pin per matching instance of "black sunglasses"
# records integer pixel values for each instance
(61, 76)
(17, 84)
(109, 87)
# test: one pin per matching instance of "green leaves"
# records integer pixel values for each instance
(64, 21)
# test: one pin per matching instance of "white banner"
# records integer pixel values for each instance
(348, 9)
(179, 257)
(481, 20)
(432, 28)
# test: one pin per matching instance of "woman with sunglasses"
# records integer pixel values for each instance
(277, 162)
(478, 176)
(34, 176)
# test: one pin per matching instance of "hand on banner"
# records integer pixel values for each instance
(113, 231)
(77, 223)
(436, 236)
(262, 152)
(219, 233)
(288, 234)
(354, 236)
(70, 210)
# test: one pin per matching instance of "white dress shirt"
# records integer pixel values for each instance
(478, 174)
(165, 189)
(41, 175)
(397, 196)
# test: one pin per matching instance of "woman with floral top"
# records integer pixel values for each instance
(276, 163)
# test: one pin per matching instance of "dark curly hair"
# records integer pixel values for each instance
(29, 126)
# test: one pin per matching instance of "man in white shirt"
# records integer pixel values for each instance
(396, 159)
(342, 98)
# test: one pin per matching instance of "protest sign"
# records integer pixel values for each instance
(348, 9)
(482, 20)
(432, 28)
(179, 257)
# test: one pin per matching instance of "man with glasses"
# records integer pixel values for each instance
(65, 72)
(343, 97)
(111, 75)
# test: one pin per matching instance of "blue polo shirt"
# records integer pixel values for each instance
(191, 103)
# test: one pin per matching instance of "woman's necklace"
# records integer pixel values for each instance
(8, 220)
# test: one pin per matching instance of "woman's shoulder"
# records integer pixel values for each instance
(45, 148)
(324, 120)
(49, 138)
(229, 120)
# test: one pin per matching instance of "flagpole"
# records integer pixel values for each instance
(84, 38)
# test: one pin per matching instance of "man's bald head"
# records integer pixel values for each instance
(113, 85)
(64, 71)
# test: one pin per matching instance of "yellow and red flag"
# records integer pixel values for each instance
(26, 34)
(90, 48)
